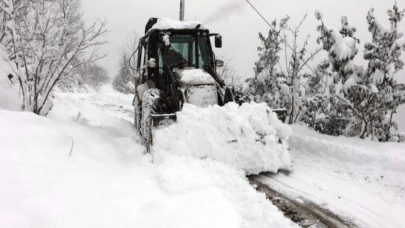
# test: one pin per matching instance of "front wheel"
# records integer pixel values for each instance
(152, 103)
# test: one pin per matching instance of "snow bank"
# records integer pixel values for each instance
(388, 156)
(196, 76)
(245, 137)
(166, 23)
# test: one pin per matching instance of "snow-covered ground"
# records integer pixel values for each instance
(362, 181)
(85, 167)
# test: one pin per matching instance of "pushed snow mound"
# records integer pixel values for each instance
(247, 137)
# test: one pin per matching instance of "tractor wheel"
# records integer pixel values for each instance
(151, 104)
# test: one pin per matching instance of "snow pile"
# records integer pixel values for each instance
(202, 96)
(166, 23)
(196, 76)
(245, 137)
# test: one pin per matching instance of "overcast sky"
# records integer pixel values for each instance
(238, 23)
(234, 19)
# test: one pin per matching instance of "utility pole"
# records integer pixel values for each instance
(182, 9)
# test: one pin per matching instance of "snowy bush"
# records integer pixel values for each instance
(372, 93)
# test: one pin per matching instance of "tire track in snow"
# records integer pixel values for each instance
(303, 212)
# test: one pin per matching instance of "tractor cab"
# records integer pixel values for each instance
(176, 65)
(165, 48)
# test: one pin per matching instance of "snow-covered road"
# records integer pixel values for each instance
(363, 182)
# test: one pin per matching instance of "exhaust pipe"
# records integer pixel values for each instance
(182, 9)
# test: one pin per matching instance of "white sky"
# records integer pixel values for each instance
(234, 19)
(237, 22)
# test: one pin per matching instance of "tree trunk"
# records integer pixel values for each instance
(291, 119)
(365, 129)
(314, 120)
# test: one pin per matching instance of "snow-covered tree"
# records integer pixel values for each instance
(368, 94)
(280, 85)
(49, 40)
(269, 83)
(384, 62)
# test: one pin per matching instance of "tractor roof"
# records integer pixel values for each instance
(170, 24)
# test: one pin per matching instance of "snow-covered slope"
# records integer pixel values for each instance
(108, 181)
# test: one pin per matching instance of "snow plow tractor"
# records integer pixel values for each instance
(175, 65)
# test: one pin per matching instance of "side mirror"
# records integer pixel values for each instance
(218, 41)
(219, 63)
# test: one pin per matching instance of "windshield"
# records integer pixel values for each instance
(182, 49)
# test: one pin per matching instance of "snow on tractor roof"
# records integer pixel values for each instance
(166, 23)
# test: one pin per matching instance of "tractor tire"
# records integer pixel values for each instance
(151, 103)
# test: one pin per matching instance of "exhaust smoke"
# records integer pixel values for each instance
(230, 8)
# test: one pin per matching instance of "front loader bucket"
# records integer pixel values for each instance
(157, 122)
(163, 119)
